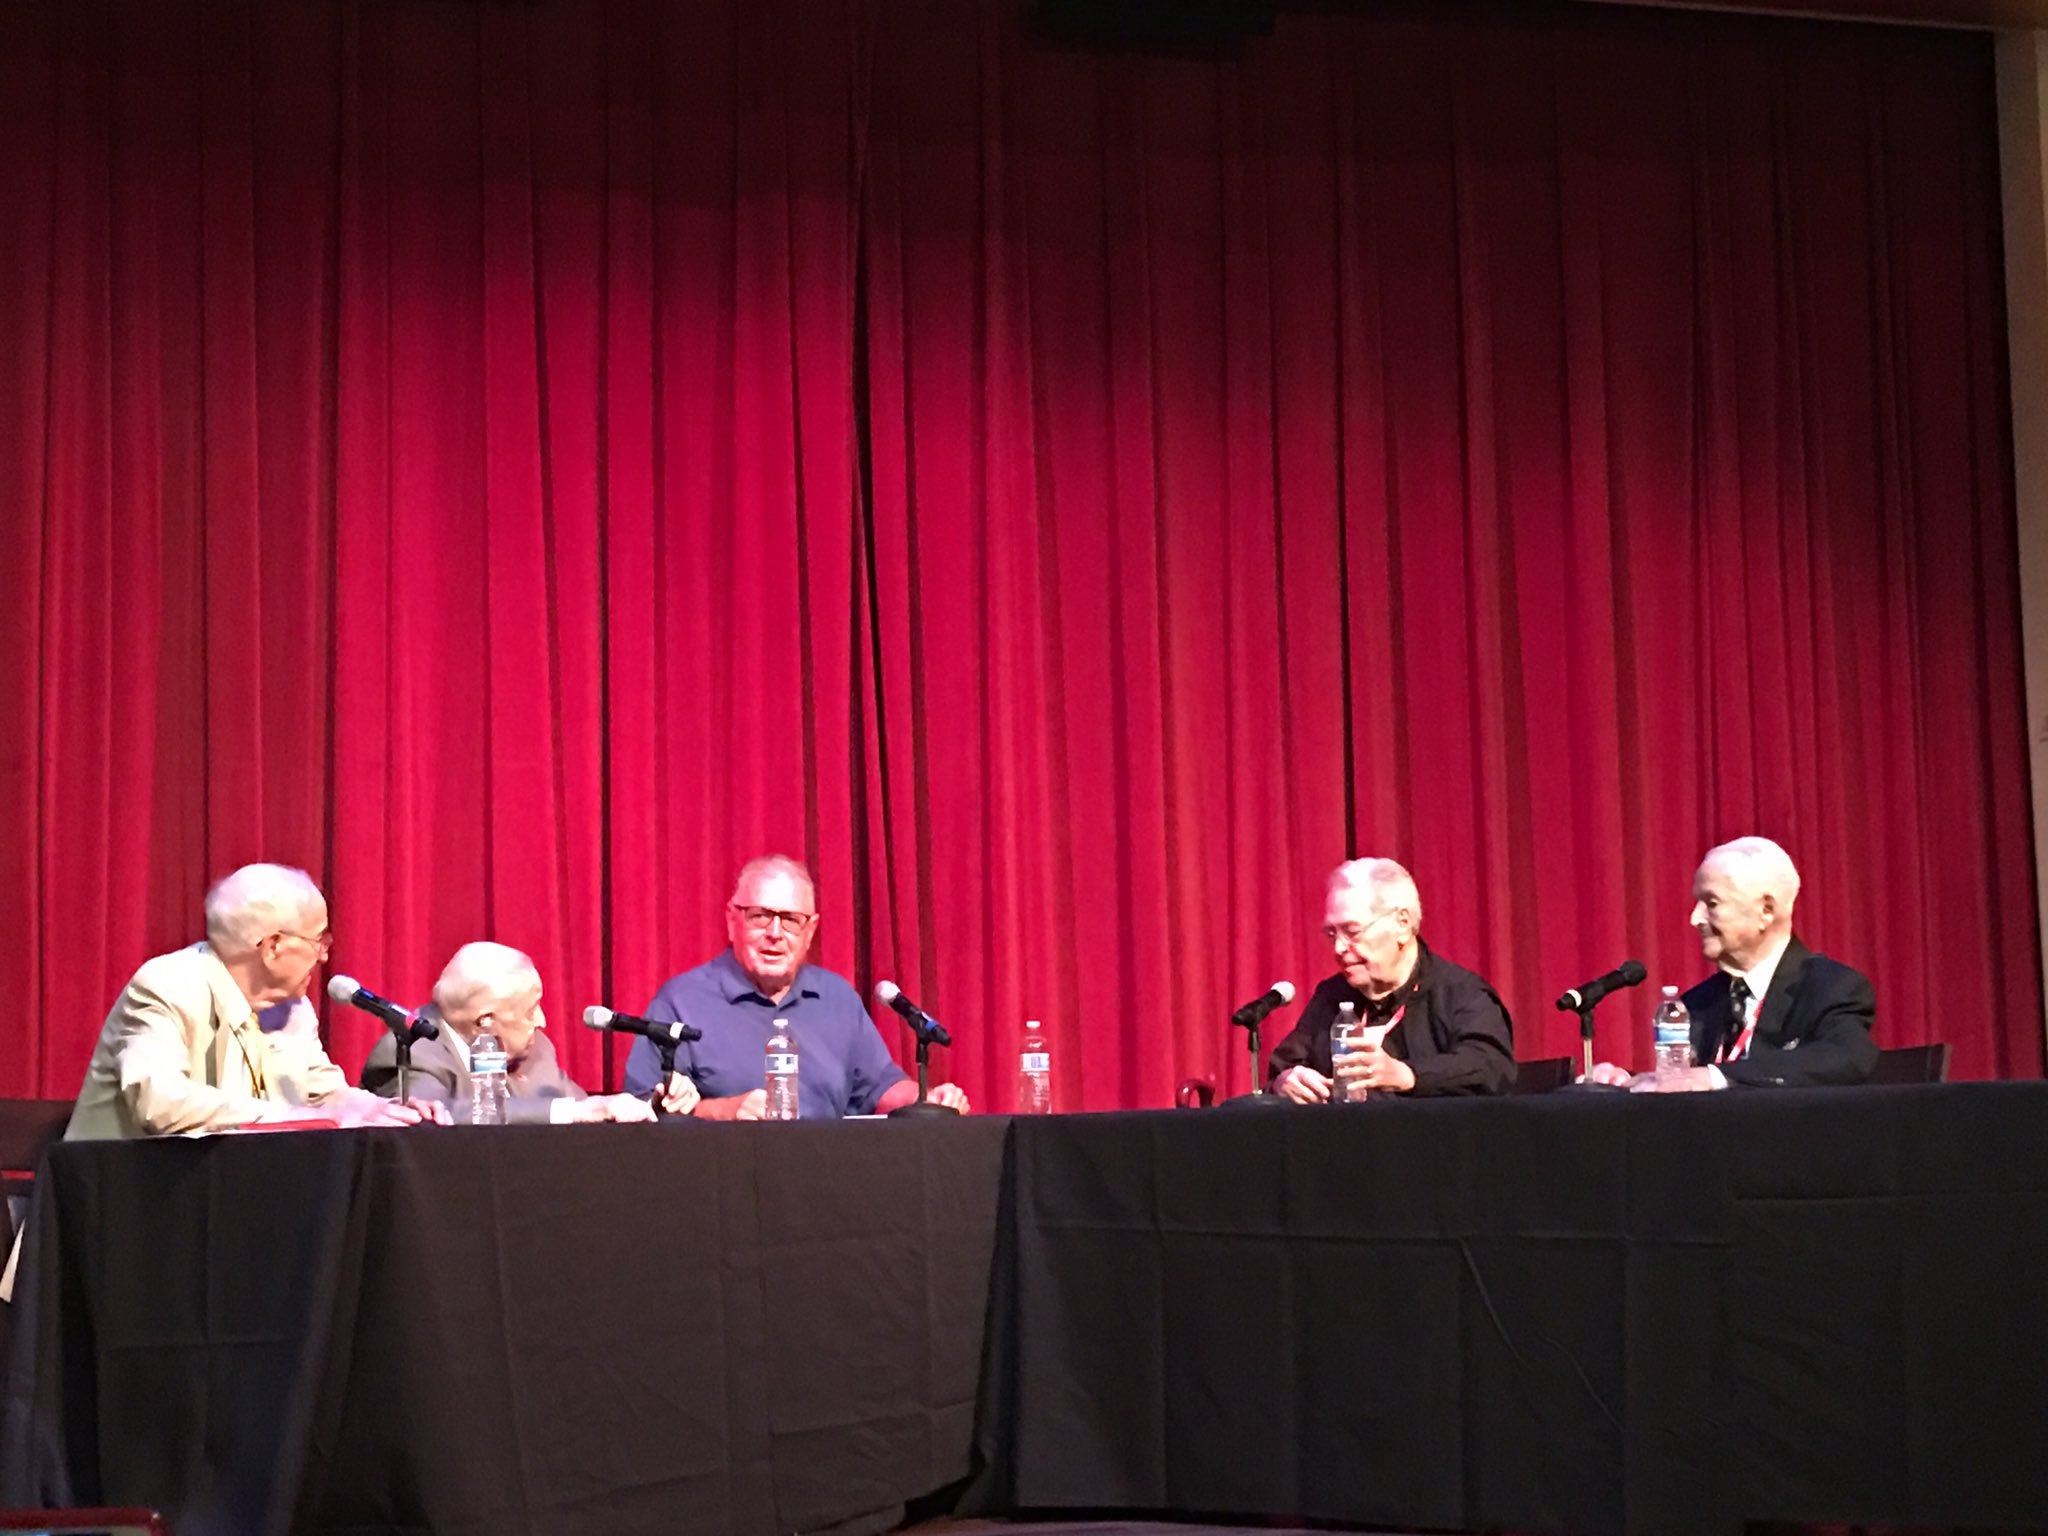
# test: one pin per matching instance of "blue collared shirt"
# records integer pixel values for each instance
(844, 1068)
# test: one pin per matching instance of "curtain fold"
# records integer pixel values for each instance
(520, 461)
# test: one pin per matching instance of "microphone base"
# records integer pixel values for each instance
(1252, 1100)
(922, 1109)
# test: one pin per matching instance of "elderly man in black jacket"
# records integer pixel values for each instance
(1431, 1027)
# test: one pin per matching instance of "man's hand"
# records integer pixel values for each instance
(358, 1110)
(1370, 1063)
(903, 1092)
(1691, 1080)
(611, 1106)
(1609, 1074)
(743, 1106)
(681, 1096)
(1304, 1085)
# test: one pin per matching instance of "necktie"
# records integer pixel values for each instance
(249, 1039)
(1738, 1019)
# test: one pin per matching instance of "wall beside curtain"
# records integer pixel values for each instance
(519, 460)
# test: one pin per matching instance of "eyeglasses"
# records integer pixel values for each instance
(324, 941)
(1351, 933)
(761, 919)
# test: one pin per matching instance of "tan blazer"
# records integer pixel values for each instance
(440, 1071)
(182, 1051)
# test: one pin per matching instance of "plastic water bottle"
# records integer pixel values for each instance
(1671, 1028)
(488, 1087)
(1034, 1073)
(782, 1065)
(1344, 1034)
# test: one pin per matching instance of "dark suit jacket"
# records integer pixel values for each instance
(1456, 1035)
(1814, 1029)
(440, 1072)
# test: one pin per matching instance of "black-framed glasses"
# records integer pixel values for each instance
(761, 919)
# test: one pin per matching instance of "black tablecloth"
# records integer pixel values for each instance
(1580, 1312)
(599, 1329)
(1576, 1313)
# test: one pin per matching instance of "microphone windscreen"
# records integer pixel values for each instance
(343, 989)
(1632, 972)
(886, 993)
(1284, 990)
(597, 1016)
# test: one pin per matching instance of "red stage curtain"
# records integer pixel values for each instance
(517, 461)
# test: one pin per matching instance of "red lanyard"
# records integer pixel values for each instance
(1734, 1052)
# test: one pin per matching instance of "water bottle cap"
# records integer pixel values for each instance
(1671, 991)
(1032, 1025)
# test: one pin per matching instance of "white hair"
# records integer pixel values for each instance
(1760, 868)
(1391, 887)
(774, 864)
(256, 901)
(480, 977)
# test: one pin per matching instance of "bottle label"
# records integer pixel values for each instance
(1037, 1061)
(782, 1064)
(485, 1063)
(1673, 1032)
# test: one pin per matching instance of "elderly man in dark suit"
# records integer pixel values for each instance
(494, 985)
(1774, 1013)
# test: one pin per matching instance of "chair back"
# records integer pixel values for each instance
(1195, 1093)
(27, 1127)
(1913, 1064)
(1542, 1076)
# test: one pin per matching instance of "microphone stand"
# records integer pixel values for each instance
(1259, 1093)
(1585, 1013)
(923, 1107)
(665, 1049)
(403, 1032)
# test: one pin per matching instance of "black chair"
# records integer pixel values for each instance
(1913, 1064)
(27, 1127)
(1542, 1076)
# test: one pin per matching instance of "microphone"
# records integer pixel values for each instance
(1626, 974)
(659, 1031)
(346, 989)
(1279, 995)
(891, 995)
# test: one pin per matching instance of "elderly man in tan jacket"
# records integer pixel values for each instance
(184, 1048)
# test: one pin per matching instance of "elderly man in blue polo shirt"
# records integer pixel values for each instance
(736, 997)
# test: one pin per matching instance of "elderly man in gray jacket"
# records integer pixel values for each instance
(495, 986)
